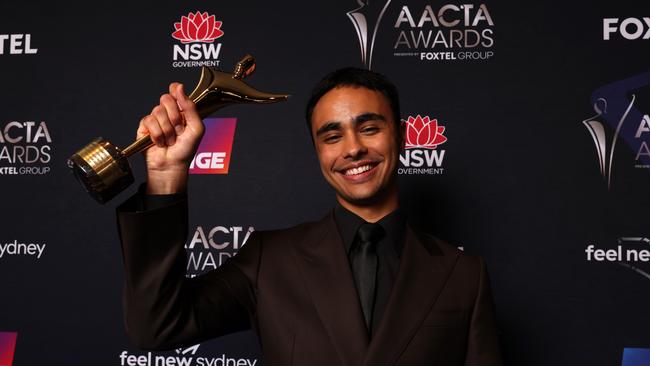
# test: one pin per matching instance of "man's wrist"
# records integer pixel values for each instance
(167, 182)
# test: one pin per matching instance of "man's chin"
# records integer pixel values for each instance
(363, 195)
(359, 199)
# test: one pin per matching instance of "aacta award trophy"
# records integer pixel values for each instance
(103, 169)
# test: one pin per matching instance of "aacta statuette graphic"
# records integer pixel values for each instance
(103, 169)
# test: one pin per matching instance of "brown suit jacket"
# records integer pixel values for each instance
(295, 288)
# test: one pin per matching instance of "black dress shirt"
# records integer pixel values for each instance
(389, 251)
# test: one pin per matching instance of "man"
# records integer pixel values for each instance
(359, 287)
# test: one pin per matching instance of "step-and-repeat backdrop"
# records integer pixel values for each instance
(529, 144)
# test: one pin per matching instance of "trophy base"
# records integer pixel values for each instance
(102, 169)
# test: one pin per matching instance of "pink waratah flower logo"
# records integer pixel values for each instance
(197, 27)
(423, 133)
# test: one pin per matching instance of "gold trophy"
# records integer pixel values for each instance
(103, 169)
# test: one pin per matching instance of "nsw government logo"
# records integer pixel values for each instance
(197, 33)
(213, 154)
(421, 154)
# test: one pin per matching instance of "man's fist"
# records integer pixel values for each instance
(176, 129)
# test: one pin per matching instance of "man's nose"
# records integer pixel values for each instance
(354, 147)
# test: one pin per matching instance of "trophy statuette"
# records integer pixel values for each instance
(103, 169)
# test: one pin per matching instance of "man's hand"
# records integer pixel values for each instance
(176, 129)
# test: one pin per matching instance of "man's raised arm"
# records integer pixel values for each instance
(163, 309)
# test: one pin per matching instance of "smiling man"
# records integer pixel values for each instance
(357, 140)
(359, 287)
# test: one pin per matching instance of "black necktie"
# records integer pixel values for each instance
(364, 267)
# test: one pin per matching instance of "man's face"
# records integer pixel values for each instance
(357, 143)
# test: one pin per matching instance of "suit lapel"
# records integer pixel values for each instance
(326, 271)
(422, 275)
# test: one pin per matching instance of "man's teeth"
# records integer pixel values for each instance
(358, 170)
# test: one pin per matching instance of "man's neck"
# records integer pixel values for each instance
(374, 211)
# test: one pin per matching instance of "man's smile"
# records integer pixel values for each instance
(359, 170)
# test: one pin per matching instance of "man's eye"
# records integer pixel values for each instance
(332, 138)
(369, 130)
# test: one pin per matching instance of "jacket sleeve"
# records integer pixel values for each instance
(162, 308)
(483, 345)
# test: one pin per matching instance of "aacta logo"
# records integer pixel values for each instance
(25, 148)
(366, 19)
(16, 44)
(421, 154)
(197, 33)
(209, 248)
(449, 32)
(619, 116)
(7, 348)
(213, 154)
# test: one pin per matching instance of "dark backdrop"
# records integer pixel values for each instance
(519, 183)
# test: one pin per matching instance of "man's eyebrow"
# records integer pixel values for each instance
(329, 126)
(368, 117)
(335, 125)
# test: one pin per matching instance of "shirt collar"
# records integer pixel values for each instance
(348, 224)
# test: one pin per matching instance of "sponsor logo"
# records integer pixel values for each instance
(636, 357)
(197, 27)
(183, 357)
(209, 248)
(25, 148)
(197, 33)
(18, 249)
(449, 32)
(17, 44)
(366, 19)
(213, 154)
(630, 252)
(628, 28)
(7, 348)
(192, 350)
(423, 132)
(421, 154)
(617, 105)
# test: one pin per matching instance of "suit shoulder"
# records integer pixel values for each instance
(287, 235)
